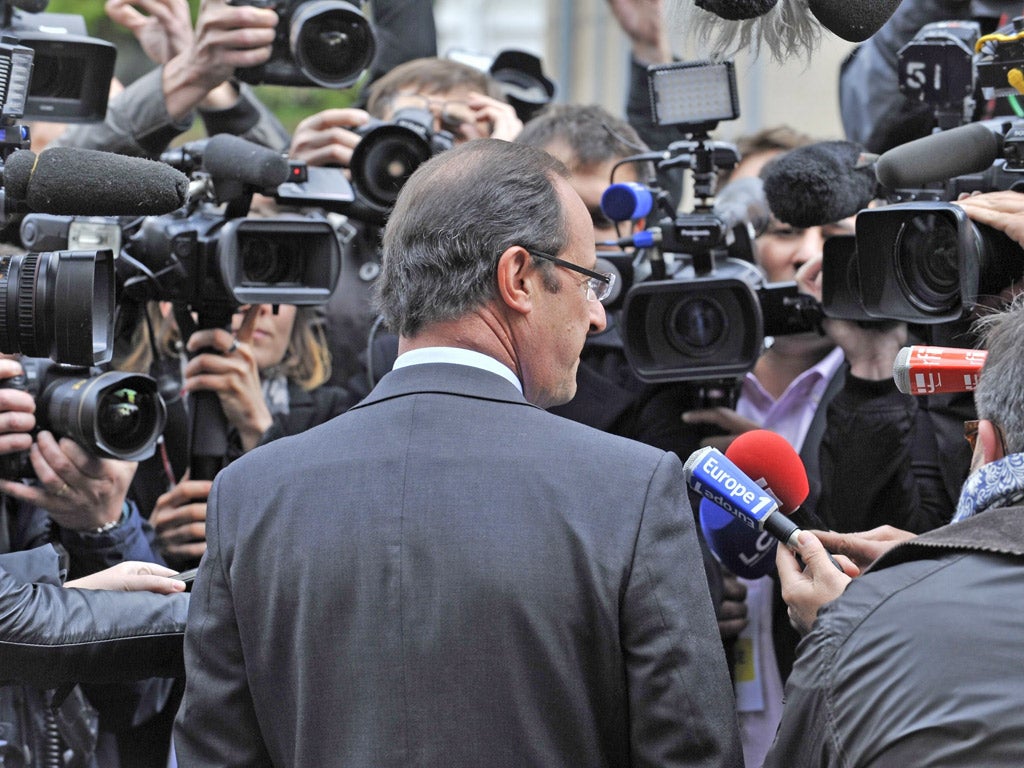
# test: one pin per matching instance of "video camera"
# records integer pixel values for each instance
(326, 43)
(920, 259)
(696, 307)
(208, 258)
(63, 76)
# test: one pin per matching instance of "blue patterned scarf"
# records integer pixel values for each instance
(997, 484)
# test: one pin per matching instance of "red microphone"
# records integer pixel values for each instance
(769, 460)
(925, 370)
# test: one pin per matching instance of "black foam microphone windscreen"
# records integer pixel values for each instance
(85, 182)
(966, 149)
(734, 10)
(17, 170)
(855, 22)
(819, 184)
(230, 158)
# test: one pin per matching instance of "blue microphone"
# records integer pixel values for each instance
(713, 476)
(627, 201)
(745, 552)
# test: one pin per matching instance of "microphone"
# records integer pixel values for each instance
(970, 148)
(760, 454)
(627, 201)
(85, 182)
(767, 462)
(230, 158)
(710, 474)
(855, 22)
(820, 183)
(925, 370)
(745, 552)
(743, 200)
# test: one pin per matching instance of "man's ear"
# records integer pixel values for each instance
(991, 441)
(516, 279)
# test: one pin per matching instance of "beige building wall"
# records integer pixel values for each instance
(586, 53)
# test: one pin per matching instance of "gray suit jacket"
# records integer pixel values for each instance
(447, 575)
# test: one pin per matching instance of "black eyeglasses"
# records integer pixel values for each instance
(599, 284)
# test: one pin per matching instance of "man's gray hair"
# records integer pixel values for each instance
(1000, 393)
(454, 217)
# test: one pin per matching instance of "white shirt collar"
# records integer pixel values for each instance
(457, 356)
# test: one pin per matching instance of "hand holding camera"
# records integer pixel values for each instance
(226, 37)
(327, 138)
(179, 519)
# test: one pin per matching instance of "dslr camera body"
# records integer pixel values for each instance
(325, 43)
(57, 309)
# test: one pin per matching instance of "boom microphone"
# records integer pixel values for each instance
(970, 148)
(230, 158)
(925, 370)
(85, 182)
(820, 183)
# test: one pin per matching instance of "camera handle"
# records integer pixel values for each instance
(207, 422)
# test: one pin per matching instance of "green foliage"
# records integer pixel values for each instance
(289, 104)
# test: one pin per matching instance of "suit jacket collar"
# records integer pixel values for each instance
(444, 378)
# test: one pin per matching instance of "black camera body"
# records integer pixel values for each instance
(213, 265)
(387, 155)
(111, 414)
(695, 307)
(325, 43)
(921, 259)
(70, 71)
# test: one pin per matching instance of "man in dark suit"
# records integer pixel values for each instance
(447, 574)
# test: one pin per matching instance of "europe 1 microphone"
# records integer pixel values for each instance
(722, 483)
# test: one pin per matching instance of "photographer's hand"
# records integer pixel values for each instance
(234, 376)
(162, 27)
(179, 519)
(131, 576)
(725, 419)
(325, 138)
(499, 115)
(79, 491)
(1003, 210)
(870, 349)
(17, 411)
(227, 37)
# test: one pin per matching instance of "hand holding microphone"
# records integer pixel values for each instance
(728, 488)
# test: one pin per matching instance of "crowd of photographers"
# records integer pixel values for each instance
(96, 678)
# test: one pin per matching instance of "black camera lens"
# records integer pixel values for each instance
(112, 415)
(58, 304)
(125, 418)
(696, 325)
(927, 263)
(268, 261)
(387, 156)
(331, 42)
